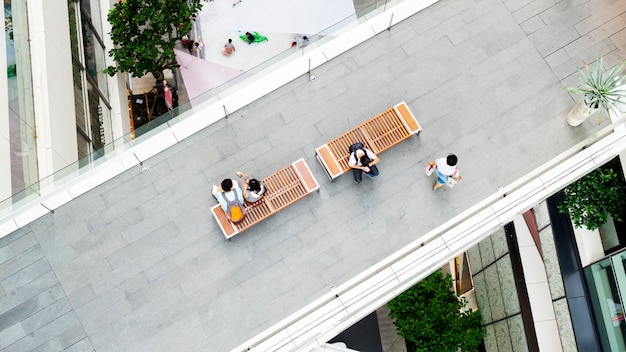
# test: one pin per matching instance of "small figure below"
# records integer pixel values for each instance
(230, 197)
(305, 41)
(300, 41)
(228, 48)
(253, 189)
(250, 37)
(185, 41)
(193, 47)
(446, 170)
(362, 160)
(253, 37)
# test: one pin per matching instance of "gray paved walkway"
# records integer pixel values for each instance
(138, 264)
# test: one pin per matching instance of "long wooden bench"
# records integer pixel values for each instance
(283, 188)
(377, 134)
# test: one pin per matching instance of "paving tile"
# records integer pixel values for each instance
(20, 244)
(597, 35)
(531, 9)
(482, 298)
(48, 346)
(31, 289)
(499, 243)
(494, 292)
(503, 337)
(44, 334)
(551, 40)
(31, 306)
(532, 25)
(508, 287)
(21, 261)
(564, 322)
(474, 259)
(82, 345)
(46, 315)
(517, 333)
(550, 260)
(10, 335)
(557, 58)
(610, 14)
(570, 67)
(486, 253)
(491, 342)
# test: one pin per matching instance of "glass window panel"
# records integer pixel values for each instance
(94, 102)
(89, 51)
(607, 306)
(84, 148)
(79, 98)
(94, 58)
(100, 66)
(24, 172)
(91, 9)
(74, 40)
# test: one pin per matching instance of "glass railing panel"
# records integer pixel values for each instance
(365, 11)
(25, 196)
(152, 128)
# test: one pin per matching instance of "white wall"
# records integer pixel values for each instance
(589, 245)
(53, 92)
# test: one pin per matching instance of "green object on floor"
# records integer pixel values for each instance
(257, 38)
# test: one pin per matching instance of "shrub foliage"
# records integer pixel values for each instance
(429, 315)
(144, 34)
(590, 200)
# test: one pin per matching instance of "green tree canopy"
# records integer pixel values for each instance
(142, 34)
(590, 200)
(429, 315)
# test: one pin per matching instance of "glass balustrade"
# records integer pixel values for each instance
(365, 11)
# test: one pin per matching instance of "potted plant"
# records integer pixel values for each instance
(601, 91)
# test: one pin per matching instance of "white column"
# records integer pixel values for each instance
(52, 85)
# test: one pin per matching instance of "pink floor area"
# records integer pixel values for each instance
(279, 20)
(201, 75)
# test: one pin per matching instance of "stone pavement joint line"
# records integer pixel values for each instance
(138, 264)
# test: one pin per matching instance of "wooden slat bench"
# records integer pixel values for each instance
(378, 134)
(283, 188)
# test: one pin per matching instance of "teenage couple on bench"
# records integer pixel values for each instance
(231, 197)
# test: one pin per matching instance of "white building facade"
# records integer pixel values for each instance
(57, 108)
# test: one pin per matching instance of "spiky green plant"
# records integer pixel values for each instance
(602, 90)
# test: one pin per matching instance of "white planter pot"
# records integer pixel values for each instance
(579, 113)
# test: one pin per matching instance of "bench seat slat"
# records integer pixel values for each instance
(377, 134)
(283, 188)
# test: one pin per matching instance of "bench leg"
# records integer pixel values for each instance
(323, 167)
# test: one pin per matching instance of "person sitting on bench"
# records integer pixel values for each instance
(230, 197)
(253, 189)
(363, 160)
